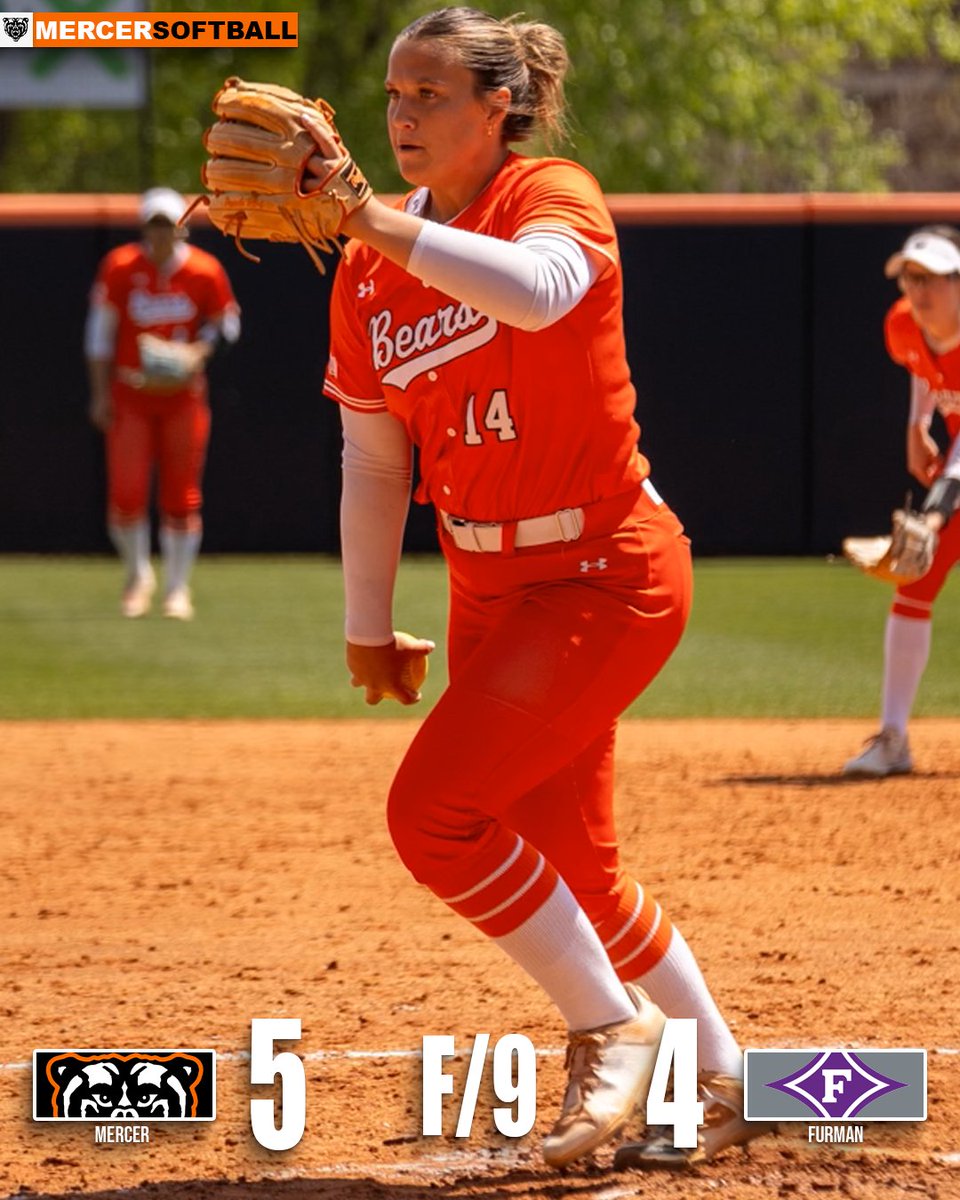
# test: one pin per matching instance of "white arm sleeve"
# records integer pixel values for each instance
(100, 332)
(225, 327)
(951, 467)
(529, 283)
(377, 468)
(921, 402)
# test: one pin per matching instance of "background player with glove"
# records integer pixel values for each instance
(923, 334)
(481, 320)
(158, 309)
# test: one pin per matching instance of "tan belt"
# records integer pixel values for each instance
(486, 537)
(130, 376)
(136, 379)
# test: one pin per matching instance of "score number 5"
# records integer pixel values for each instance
(265, 1066)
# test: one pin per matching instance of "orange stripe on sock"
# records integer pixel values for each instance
(916, 610)
(636, 936)
(509, 891)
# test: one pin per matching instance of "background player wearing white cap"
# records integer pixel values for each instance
(923, 334)
(179, 298)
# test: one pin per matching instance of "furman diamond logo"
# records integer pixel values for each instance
(836, 1085)
(125, 1085)
(16, 28)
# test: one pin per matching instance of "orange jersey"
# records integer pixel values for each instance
(908, 347)
(510, 423)
(173, 305)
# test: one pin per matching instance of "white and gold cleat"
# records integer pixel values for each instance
(138, 594)
(609, 1072)
(886, 753)
(178, 604)
(723, 1126)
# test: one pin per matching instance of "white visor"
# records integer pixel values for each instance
(164, 203)
(929, 250)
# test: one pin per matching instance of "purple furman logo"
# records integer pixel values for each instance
(15, 27)
(836, 1085)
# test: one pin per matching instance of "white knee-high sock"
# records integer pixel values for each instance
(559, 948)
(179, 548)
(906, 650)
(677, 985)
(132, 543)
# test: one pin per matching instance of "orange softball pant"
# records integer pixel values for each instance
(509, 781)
(917, 600)
(170, 433)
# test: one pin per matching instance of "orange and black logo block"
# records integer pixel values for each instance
(111, 1085)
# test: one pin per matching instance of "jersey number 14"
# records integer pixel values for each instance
(496, 419)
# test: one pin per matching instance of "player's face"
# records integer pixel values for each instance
(934, 299)
(444, 134)
(160, 237)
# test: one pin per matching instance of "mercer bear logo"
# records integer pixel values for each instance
(15, 27)
(124, 1086)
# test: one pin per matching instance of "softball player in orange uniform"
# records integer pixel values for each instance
(922, 334)
(164, 287)
(481, 321)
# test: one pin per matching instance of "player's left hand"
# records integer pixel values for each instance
(924, 460)
(394, 671)
(327, 165)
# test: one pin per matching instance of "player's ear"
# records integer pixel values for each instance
(498, 104)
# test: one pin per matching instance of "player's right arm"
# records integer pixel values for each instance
(377, 468)
(938, 472)
(106, 303)
(904, 341)
(377, 473)
(99, 344)
(924, 460)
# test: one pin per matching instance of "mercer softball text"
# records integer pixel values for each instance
(180, 29)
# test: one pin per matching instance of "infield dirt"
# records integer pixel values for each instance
(163, 883)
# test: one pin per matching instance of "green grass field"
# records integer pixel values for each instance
(768, 637)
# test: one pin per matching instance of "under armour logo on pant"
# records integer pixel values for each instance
(599, 564)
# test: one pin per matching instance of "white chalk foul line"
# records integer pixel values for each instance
(334, 1055)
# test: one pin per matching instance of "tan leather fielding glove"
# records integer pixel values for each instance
(259, 149)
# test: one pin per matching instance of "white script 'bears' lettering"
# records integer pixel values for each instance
(947, 402)
(464, 327)
(146, 308)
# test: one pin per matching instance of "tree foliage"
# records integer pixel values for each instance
(666, 95)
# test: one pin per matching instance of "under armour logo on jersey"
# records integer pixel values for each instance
(366, 289)
(599, 564)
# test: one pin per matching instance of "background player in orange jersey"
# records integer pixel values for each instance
(923, 334)
(481, 320)
(163, 287)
